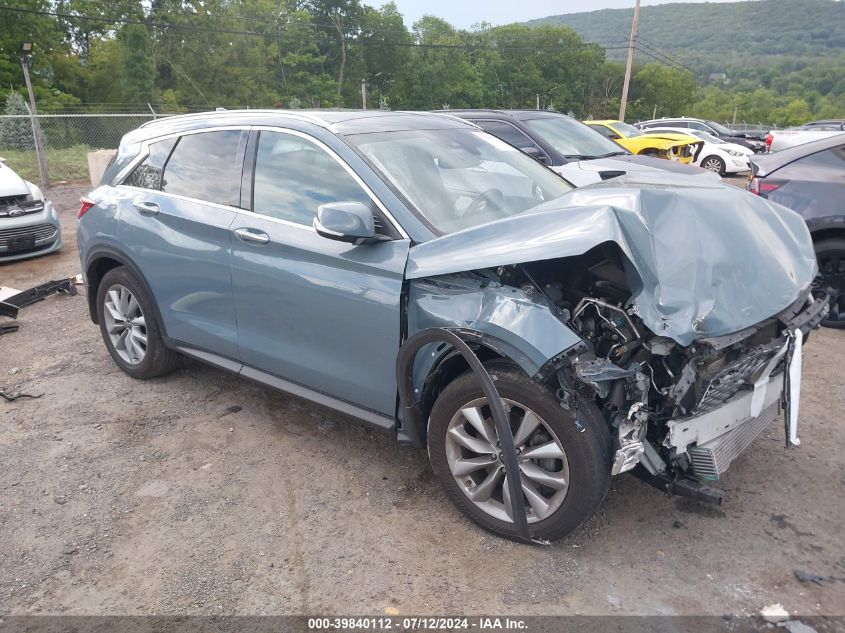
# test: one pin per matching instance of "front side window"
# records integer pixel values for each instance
(604, 131)
(626, 129)
(459, 178)
(508, 133)
(147, 175)
(205, 166)
(293, 176)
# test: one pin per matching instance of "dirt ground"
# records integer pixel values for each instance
(204, 493)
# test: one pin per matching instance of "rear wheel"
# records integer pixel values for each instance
(831, 256)
(129, 326)
(714, 164)
(564, 473)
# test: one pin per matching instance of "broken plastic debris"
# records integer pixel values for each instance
(774, 613)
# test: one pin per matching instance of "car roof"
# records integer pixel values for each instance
(768, 163)
(519, 115)
(341, 122)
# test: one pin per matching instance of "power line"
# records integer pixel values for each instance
(250, 33)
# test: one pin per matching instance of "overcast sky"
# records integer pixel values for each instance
(465, 13)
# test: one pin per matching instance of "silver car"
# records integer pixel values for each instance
(29, 225)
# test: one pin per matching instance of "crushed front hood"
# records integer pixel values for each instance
(705, 259)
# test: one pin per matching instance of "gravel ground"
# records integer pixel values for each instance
(203, 493)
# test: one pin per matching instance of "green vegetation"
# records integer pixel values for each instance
(70, 163)
(785, 59)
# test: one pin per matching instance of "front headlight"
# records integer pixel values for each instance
(36, 192)
(733, 152)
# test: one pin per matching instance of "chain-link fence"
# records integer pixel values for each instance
(66, 141)
(757, 128)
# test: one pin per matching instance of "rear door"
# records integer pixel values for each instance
(317, 312)
(180, 203)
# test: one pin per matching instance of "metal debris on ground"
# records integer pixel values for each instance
(12, 300)
(11, 397)
(806, 576)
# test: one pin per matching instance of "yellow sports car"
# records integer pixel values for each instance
(680, 147)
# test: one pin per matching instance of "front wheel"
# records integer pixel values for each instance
(714, 164)
(564, 469)
(831, 256)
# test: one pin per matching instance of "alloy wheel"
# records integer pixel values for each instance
(125, 324)
(475, 459)
(713, 164)
(832, 271)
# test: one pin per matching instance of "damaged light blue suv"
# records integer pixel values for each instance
(419, 274)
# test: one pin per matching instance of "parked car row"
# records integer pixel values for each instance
(750, 140)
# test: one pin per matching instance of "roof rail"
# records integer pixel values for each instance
(221, 112)
(439, 113)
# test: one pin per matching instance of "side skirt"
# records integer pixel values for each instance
(292, 388)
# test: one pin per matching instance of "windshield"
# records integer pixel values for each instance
(626, 129)
(571, 138)
(704, 136)
(459, 178)
(721, 129)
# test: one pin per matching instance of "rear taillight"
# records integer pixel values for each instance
(84, 205)
(763, 187)
(769, 139)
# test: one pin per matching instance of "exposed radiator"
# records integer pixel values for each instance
(711, 459)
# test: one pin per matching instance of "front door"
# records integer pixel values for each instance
(317, 312)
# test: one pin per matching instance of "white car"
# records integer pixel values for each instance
(717, 155)
(29, 225)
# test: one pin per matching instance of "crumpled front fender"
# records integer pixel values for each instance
(519, 325)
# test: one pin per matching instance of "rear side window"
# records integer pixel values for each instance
(147, 175)
(205, 166)
(293, 176)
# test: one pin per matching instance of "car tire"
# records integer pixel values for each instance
(831, 256)
(585, 441)
(127, 317)
(714, 164)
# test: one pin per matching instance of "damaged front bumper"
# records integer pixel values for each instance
(743, 399)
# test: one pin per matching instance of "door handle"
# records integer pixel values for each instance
(146, 208)
(252, 236)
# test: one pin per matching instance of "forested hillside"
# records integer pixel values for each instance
(762, 28)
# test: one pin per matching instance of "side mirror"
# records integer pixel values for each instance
(351, 222)
(614, 137)
(535, 153)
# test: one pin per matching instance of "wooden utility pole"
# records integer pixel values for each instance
(632, 44)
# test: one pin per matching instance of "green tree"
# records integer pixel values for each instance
(137, 77)
(16, 133)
